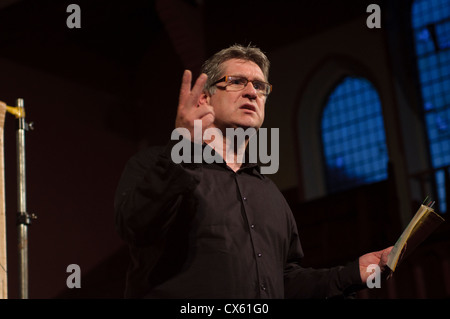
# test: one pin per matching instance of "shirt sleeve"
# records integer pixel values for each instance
(301, 283)
(335, 282)
(149, 193)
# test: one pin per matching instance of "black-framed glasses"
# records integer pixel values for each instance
(238, 83)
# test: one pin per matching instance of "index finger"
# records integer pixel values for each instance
(190, 97)
(185, 89)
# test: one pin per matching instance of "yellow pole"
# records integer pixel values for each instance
(3, 255)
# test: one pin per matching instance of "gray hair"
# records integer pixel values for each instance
(213, 66)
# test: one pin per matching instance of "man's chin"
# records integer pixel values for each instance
(249, 123)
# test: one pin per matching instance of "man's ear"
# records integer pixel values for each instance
(204, 98)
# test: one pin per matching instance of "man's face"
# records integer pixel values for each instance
(243, 108)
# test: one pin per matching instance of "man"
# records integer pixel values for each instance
(220, 229)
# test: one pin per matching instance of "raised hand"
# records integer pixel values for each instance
(193, 105)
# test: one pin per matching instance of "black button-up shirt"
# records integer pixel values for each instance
(205, 231)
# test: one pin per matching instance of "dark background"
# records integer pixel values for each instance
(100, 93)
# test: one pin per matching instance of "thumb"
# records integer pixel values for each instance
(208, 119)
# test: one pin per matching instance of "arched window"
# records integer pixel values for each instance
(353, 137)
(431, 27)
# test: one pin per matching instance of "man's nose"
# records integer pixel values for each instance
(250, 91)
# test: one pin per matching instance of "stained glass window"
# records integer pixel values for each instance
(431, 27)
(353, 138)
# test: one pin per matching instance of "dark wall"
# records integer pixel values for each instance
(84, 90)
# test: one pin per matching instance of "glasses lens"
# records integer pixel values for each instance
(261, 87)
(235, 83)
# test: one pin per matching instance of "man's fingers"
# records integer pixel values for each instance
(190, 97)
(197, 90)
(185, 89)
(204, 110)
(190, 107)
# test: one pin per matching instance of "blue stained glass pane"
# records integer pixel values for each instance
(431, 27)
(357, 153)
(443, 35)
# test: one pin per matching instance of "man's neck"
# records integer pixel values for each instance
(232, 152)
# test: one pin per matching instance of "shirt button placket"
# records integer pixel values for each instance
(252, 226)
(264, 292)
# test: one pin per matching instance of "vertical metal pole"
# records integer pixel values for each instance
(23, 219)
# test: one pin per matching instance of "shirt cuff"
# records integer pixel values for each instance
(351, 278)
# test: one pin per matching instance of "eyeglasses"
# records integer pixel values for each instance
(238, 83)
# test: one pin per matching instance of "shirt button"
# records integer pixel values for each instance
(259, 255)
(263, 288)
(252, 226)
(245, 198)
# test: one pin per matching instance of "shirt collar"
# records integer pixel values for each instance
(253, 168)
(208, 159)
